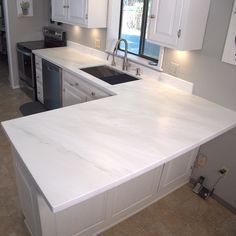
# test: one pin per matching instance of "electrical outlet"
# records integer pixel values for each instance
(98, 43)
(201, 160)
(174, 68)
(223, 171)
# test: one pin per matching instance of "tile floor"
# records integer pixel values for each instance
(180, 213)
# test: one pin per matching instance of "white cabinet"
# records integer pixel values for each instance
(72, 96)
(39, 79)
(77, 90)
(178, 24)
(85, 13)
(177, 172)
(59, 10)
(27, 196)
(77, 12)
(229, 55)
(134, 194)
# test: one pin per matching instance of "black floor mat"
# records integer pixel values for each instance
(31, 108)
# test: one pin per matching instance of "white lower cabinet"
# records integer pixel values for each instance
(132, 195)
(27, 197)
(72, 96)
(177, 172)
(104, 210)
(39, 79)
(77, 90)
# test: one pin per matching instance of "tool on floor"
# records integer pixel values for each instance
(200, 189)
(204, 192)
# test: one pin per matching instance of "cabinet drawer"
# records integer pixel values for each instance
(38, 62)
(72, 96)
(40, 92)
(91, 91)
(39, 76)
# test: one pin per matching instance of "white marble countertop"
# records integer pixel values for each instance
(77, 152)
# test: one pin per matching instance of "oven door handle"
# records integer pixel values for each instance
(24, 52)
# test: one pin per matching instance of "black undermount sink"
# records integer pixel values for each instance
(109, 75)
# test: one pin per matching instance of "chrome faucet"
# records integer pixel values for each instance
(125, 59)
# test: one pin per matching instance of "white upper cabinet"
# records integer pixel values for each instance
(85, 13)
(178, 24)
(229, 55)
(77, 12)
(59, 10)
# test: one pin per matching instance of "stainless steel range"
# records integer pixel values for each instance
(26, 62)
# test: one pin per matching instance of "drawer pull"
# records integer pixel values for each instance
(93, 94)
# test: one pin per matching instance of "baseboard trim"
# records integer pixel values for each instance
(224, 203)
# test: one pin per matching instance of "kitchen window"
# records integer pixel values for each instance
(134, 21)
(129, 19)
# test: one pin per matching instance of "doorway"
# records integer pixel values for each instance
(4, 71)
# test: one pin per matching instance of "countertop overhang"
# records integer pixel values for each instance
(77, 152)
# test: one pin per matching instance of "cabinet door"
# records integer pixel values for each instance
(77, 12)
(72, 96)
(59, 10)
(26, 199)
(177, 172)
(165, 22)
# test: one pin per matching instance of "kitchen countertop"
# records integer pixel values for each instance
(77, 152)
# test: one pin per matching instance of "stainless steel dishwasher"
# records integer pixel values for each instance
(52, 85)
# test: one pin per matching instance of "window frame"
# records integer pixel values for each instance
(113, 25)
(143, 31)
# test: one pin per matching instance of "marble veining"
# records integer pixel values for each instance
(77, 152)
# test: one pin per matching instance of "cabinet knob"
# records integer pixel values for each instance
(93, 94)
(152, 16)
(76, 84)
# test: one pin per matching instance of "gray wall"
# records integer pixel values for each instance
(25, 28)
(85, 36)
(215, 81)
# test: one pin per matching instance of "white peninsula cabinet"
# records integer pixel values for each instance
(85, 13)
(178, 24)
(39, 78)
(77, 90)
(104, 209)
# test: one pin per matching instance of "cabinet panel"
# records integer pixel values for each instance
(39, 76)
(26, 199)
(130, 195)
(165, 21)
(59, 9)
(177, 172)
(72, 96)
(76, 88)
(229, 55)
(77, 11)
(82, 217)
(178, 24)
(38, 63)
(40, 92)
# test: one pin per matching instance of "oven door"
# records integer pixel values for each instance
(25, 66)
